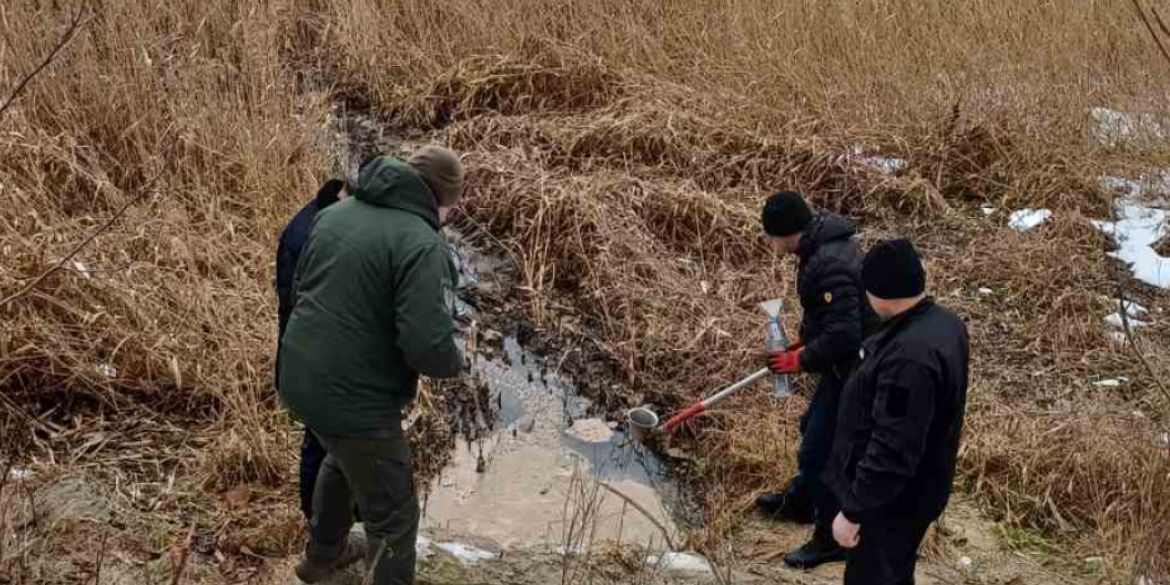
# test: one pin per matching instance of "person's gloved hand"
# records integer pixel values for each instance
(787, 361)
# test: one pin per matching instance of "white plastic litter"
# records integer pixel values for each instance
(1026, 219)
(1111, 382)
(682, 562)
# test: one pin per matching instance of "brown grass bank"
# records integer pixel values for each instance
(621, 150)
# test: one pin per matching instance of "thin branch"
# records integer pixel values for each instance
(1153, 33)
(74, 27)
(373, 568)
(142, 194)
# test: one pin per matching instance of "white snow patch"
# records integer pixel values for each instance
(1137, 230)
(1114, 320)
(683, 562)
(1026, 219)
(1118, 337)
(986, 291)
(988, 209)
(21, 473)
(966, 561)
(1164, 439)
(1114, 127)
(467, 554)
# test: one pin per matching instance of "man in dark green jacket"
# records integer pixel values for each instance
(375, 293)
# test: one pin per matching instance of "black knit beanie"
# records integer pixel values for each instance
(785, 214)
(893, 270)
(329, 193)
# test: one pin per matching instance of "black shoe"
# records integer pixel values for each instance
(820, 550)
(787, 507)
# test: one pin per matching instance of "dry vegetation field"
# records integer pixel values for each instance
(620, 151)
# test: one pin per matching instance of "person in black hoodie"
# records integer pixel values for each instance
(900, 421)
(288, 254)
(834, 323)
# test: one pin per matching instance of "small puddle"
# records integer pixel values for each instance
(512, 487)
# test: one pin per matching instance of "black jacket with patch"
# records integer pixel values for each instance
(828, 281)
(900, 419)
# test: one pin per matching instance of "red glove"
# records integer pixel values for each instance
(787, 361)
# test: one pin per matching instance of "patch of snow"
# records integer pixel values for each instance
(988, 209)
(1118, 337)
(576, 549)
(1114, 320)
(1114, 127)
(21, 473)
(1026, 219)
(986, 291)
(1164, 439)
(1136, 231)
(683, 562)
(467, 554)
(966, 561)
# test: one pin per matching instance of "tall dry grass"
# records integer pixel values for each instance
(621, 150)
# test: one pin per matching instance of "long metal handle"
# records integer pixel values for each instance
(699, 407)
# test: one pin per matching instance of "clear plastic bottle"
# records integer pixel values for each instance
(776, 341)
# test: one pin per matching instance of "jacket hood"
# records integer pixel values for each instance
(391, 183)
(825, 228)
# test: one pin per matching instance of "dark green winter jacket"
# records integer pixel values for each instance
(375, 295)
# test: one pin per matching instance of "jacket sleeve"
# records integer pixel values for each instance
(424, 312)
(841, 337)
(903, 410)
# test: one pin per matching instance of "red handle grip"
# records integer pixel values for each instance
(679, 418)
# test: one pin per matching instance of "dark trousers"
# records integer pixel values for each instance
(887, 553)
(376, 473)
(312, 456)
(817, 428)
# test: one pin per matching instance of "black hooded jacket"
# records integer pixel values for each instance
(836, 315)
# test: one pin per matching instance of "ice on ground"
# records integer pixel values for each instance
(1026, 219)
(422, 547)
(683, 562)
(467, 554)
(1137, 230)
(1114, 127)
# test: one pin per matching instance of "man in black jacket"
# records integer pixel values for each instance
(835, 321)
(288, 254)
(899, 424)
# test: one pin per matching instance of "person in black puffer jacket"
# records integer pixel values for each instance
(900, 422)
(835, 321)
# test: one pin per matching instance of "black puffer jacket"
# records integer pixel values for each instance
(900, 419)
(828, 281)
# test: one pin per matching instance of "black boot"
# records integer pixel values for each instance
(790, 505)
(820, 550)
